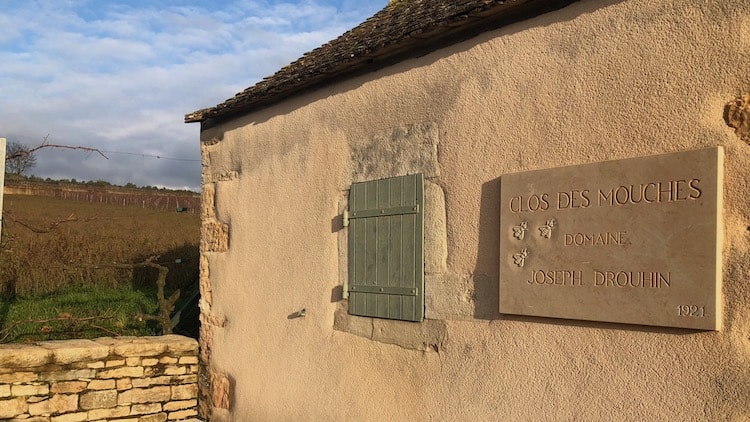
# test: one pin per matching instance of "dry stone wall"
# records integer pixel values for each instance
(124, 379)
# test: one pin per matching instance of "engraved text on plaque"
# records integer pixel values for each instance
(634, 241)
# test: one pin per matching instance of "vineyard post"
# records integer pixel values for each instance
(2, 181)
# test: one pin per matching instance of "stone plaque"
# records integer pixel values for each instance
(634, 241)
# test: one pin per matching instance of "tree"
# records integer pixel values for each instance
(19, 158)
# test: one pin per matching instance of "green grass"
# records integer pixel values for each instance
(77, 313)
(73, 265)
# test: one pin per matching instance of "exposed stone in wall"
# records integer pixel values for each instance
(435, 234)
(137, 379)
(213, 140)
(204, 282)
(449, 296)
(214, 236)
(220, 390)
(737, 116)
(396, 152)
(427, 336)
(221, 176)
(208, 201)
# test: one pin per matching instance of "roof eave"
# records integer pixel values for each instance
(414, 44)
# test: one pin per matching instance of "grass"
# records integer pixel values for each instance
(65, 261)
(76, 313)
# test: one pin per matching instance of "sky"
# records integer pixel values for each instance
(119, 76)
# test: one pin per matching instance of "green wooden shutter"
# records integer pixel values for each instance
(386, 253)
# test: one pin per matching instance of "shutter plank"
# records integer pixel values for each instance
(385, 248)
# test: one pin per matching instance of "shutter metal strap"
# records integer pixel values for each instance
(389, 290)
(381, 212)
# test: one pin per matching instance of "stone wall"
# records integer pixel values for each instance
(650, 77)
(133, 379)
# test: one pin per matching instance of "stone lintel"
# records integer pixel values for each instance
(69, 351)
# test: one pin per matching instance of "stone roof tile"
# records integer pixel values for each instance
(403, 28)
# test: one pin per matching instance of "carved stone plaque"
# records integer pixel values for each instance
(635, 241)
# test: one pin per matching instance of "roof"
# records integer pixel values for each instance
(403, 29)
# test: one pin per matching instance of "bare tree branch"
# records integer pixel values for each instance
(52, 226)
(5, 332)
(45, 144)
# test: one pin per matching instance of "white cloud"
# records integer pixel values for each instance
(120, 76)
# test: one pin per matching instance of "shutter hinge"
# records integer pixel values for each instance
(345, 218)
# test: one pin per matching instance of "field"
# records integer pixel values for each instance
(74, 265)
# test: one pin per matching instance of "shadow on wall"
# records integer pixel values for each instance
(487, 270)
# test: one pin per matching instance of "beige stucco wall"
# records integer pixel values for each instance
(598, 80)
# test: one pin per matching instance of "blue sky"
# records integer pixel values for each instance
(120, 76)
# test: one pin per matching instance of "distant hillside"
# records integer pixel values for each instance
(106, 193)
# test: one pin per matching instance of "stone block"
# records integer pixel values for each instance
(133, 361)
(59, 403)
(449, 296)
(427, 336)
(359, 326)
(14, 377)
(123, 372)
(114, 363)
(29, 390)
(435, 234)
(12, 408)
(69, 375)
(4, 390)
(145, 395)
(214, 236)
(124, 384)
(68, 387)
(175, 370)
(145, 409)
(186, 379)
(109, 413)
(102, 385)
(134, 346)
(71, 417)
(208, 199)
(148, 382)
(98, 399)
(68, 351)
(396, 152)
(184, 392)
(221, 390)
(182, 414)
(95, 365)
(737, 116)
(180, 404)
(149, 362)
(159, 417)
(188, 360)
(23, 355)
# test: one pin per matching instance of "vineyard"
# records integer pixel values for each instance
(54, 247)
(159, 199)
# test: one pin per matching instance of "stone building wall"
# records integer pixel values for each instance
(133, 379)
(596, 81)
